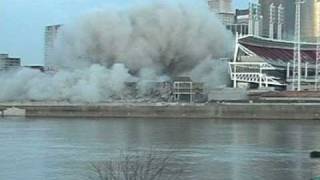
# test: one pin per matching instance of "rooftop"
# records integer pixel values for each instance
(278, 52)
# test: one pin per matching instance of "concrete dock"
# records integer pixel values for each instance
(254, 111)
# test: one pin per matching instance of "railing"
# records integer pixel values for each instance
(252, 72)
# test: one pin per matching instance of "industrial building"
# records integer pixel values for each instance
(51, 34)
(9, 63)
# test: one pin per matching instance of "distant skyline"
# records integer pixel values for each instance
(22, 22)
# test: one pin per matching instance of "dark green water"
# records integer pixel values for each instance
(38, 149)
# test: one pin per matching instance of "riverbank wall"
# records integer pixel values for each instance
(254, 111)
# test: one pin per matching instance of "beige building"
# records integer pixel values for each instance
(310, 18)
(223, 9)
(9, 63)
(51, 34)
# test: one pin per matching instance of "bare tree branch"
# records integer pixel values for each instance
(145, 165)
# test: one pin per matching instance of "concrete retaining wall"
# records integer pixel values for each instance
(256, 111)
(228, 94)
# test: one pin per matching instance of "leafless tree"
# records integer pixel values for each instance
(146, 165)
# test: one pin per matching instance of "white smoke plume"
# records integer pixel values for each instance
(214, 73)
(96, 55)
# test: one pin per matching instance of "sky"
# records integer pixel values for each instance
(22, 22)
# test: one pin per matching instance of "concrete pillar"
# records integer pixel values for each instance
(306, 70)
(260, 76)
(260, 80)
(267, 85)
(191, 96)
(234, 76)
(288, 71)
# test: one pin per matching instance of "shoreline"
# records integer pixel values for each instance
(227, 110)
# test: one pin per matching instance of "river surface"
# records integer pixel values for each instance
(55, 149)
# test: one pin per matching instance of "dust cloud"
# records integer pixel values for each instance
(96, 56)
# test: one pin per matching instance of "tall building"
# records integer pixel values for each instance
(51, 34)
(310, 19)
(278, 18)
(8, 63)
(241, 22)
(242, 16)
(220, 6)
(223, 9)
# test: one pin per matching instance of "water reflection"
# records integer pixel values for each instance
(214, 149)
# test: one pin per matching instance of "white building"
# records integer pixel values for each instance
(51, 34)
(223, 9)
(8, 63)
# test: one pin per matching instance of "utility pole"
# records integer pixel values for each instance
(296, 79)
(317, 69)
(317, 66)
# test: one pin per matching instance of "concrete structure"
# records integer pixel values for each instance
(227, 94)
(13, 111)
(237, 111)
(8, 63)
(51, 34)
(185, 90)
(36, 67)
(223, 9)
(241, 22)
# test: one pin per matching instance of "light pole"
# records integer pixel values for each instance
(296, 79)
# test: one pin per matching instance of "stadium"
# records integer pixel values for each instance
(264, 60)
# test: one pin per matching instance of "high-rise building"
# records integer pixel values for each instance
(220, 6)
(51, 34)
(241, 22)
(223, 9)
(310, 19)
(278, 18)
(8, 63)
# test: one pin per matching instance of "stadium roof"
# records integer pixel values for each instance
(277, 52)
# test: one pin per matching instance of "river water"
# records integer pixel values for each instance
(42, 148)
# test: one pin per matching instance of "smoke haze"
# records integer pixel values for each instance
(101, 51)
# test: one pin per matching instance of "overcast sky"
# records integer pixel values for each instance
(22, 22)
